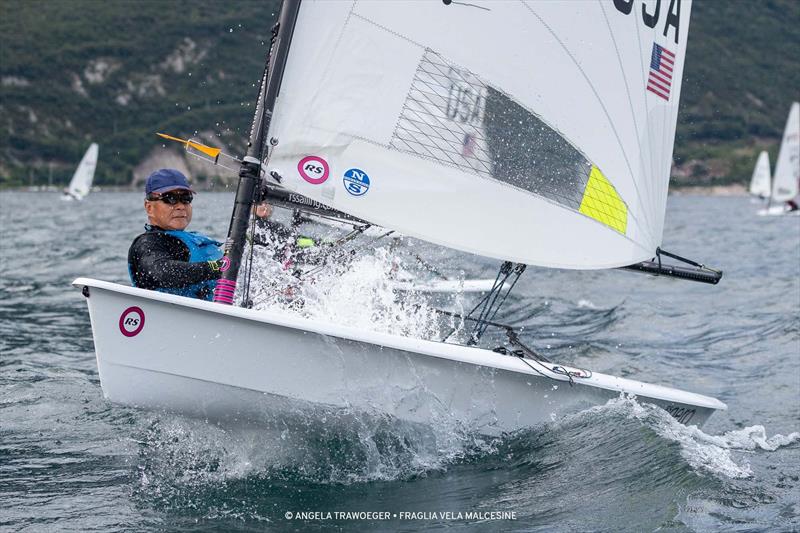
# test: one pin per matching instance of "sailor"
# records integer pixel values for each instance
(286, 244)
(166, 257)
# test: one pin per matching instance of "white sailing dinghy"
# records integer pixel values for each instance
(539, 133)
(786, 181)
(81, 182)
(760, 183)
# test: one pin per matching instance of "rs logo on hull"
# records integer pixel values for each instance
(131, 321)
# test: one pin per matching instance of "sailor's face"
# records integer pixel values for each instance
(168, 216)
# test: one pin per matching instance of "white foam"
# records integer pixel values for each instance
(358, 293)
(711, 453)
(180, 454)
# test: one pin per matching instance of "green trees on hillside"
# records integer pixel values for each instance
(117, 71)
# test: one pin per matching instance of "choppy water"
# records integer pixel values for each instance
(71, 461)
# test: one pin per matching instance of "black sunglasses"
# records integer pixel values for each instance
(172, 198)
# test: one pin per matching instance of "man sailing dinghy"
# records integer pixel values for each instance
(534, 133)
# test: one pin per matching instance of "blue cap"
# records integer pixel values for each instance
(166, 179)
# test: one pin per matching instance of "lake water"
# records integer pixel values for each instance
(70, 460)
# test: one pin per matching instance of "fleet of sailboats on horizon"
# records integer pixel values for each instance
(81, 182)
(525, 132)
(783, 197)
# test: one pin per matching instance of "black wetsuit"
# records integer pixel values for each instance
(158, 260)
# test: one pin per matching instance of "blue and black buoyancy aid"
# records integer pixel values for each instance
(201, 249)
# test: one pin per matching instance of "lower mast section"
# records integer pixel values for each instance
(249, 184)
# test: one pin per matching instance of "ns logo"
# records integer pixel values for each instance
(651, 12)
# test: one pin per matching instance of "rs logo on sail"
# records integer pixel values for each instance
(651, 12)
(313, 169)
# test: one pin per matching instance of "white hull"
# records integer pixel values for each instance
(777, 210)
(238, 365)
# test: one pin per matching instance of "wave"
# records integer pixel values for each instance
(345, 448)
(707, 453)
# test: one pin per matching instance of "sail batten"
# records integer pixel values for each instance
(599, 100)
(520, 132)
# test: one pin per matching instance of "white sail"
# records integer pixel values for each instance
(536, 132)
(760, 182)
(787, 168)
(81, 181)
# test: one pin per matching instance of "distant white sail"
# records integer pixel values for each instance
(760, 182)
(787, 168)
(536, 132)
(81, 182)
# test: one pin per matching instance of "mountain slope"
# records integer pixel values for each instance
(117, 71)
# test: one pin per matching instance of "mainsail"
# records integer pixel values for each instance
(81, 181)
(534, 132)
(760, 182)
(787, 168)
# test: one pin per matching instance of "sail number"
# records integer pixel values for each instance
(651, 13)
(681, 414)
(464, 102)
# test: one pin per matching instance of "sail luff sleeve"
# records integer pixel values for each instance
(250, 171)
(271, 85)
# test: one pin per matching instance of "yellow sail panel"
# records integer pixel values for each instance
(602, 203)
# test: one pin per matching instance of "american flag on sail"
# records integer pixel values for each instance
(468, 145)
(662, 61)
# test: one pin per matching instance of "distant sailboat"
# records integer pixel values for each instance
(760, 183)
(81, 182)
(786, 182)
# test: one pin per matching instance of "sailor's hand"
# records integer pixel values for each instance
(263, 210)
(220, 265)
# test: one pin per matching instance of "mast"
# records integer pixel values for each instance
(250, 170)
